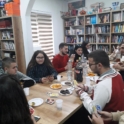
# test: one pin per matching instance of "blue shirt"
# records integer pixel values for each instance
(41, 70)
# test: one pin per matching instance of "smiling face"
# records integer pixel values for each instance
(64, 50)
(40, 58)
(79, 51)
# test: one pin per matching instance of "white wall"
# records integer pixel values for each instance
(107, 3)
(53, 7)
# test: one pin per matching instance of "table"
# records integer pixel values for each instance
(49, 113)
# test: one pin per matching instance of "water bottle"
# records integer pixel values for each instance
(69, 71)
(78, 71)
(85, 67)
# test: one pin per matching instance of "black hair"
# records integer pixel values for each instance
(76, 55)
(7, 61)
(33, 59)
(100, 56)
(85, 51)
(14, 108)
(61, 45)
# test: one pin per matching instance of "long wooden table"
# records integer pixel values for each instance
(49, 113)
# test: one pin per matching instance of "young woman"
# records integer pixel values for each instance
(40, 68)
(86, 48)
(14, 108)
(78, 52)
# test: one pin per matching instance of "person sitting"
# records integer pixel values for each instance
(108, 92)
(86, 48)
(40, 68)
(14, 108)
(9, 66)
(60, 60)
(78, 52)
(107, 116)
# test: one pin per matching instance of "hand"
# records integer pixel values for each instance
(117, 66)
(106, 116)
(66, 67)
(96, 119)
(44, 80)
(51, 78)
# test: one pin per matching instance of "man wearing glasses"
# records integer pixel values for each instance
(108, 93)
(120, 66)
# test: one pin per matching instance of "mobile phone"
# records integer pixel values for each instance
(37, 118)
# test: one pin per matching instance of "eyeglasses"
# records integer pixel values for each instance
(40, 57)
(92, 64)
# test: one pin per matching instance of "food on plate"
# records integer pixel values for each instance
(91, 74)
(56, 86)
(33, 103)
(68, 83)
(66, 91)
(54, 94)
(50, 101)
(75, 82)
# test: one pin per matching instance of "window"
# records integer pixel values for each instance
(41, 25)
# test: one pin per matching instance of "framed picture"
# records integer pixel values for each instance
(76, 5)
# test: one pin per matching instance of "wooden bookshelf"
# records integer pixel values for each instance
(102, 34)
(11, 41)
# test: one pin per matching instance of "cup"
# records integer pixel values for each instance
(88, 81)
(26, 91)
(59, 104)
(58, 77)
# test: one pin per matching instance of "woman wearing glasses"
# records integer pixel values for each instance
(40, 68)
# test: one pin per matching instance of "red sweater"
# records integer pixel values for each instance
(59, 62)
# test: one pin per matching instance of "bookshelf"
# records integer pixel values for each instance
(11, 40)
(103, 30)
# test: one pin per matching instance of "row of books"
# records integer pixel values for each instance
(8, 45)
(102, 29)
(104, 18)
(91, 39)
(118, 28)
(69, 23)
(91, 20)
(7, 34)
(117, 38)
(88, 30)
(69, 39)
(103, 39)
(11, 55)
(74, 32)
(103, 47)
(93, 47)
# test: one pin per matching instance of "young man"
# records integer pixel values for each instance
(9, 66)
(60, 60)
(108, 92)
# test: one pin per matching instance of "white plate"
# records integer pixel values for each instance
(63, 83)
(66, 94)
(37, 101)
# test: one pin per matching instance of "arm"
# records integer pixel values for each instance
(101, 97)
(118, 66)
(53, 72)
(118, 116)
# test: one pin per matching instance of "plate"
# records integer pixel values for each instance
(56, 86)
(35, 101)
(68, 83)
(50, 101)
(66, 94)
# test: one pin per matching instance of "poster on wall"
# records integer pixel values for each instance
(76, 5)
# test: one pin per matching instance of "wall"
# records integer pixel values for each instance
(53, 7)
(107, 3)
(25, 7)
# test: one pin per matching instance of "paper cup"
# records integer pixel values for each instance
(59, 103)
(26, 91)
(58, 77)
(88, 81)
